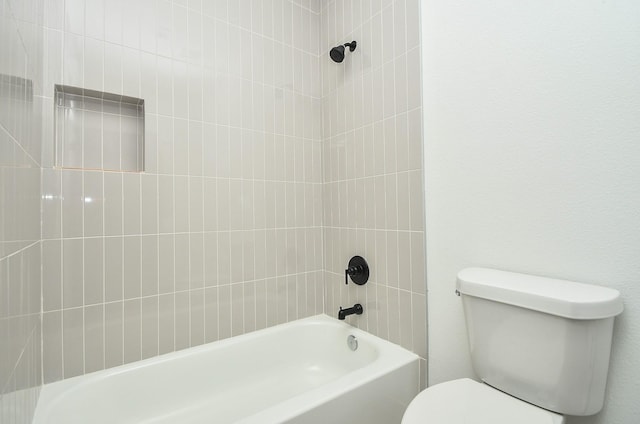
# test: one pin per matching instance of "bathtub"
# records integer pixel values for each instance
(300, 372)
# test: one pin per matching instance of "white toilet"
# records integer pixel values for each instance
(541, 347)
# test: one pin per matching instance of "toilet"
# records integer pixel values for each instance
(540, 346)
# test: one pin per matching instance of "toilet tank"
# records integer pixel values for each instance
(542, 340)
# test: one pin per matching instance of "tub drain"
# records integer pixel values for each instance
(352, 342)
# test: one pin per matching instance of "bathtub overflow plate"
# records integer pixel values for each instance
(352, 342)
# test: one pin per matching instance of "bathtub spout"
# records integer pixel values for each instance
(357, 309)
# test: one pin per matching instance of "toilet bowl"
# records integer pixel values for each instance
(541, 347)
(466, 401)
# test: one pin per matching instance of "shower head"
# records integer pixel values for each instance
(337, 53)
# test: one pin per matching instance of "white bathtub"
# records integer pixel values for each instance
(300, 372)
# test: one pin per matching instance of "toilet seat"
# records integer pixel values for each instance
(466, 401)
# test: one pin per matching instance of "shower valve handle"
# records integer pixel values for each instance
(358, 270)
(352, 270)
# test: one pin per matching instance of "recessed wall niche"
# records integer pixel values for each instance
(96, 130)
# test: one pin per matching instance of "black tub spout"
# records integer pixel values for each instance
(357, 310)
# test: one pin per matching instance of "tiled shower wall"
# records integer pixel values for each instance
(223, 231)
(20, 360)
(373, 191)
(221, 234)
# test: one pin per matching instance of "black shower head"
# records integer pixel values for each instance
(337, 53)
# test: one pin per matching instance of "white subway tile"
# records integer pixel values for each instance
(72, 203)
(147, 25)
(94, 338)
(164, 28)
(93, 64)
(131, 203)
(165, 204)
(182, 315)
(181, 204)
(113, 267)
(113, 68)
(166, 319)
(416, 188)
(149, 265)
(74, 16)
(132, 11)
(180, 89)
(196, 261)
(149, 191)
(113, 218)
(93, 200)
(180, 147)
(113, 334)
(180, 42)
(131, 77)
(195, 93)
(51, 275)
(52, 347)
(197, 317)
(149, 329)
(93, 277)
(132, 337)
(165, 86)
(166, 277)
(148, 83)
(132, 277)
(195, 206)
(181, 262)
(73, 342)
(113, 14)
(237, 309)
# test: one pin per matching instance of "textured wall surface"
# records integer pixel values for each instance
(532, 115)
(20, 306)
(373, 184)
(221, 234)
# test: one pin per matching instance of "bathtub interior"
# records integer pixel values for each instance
(230, 379)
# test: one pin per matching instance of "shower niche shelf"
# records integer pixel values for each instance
(96, 130)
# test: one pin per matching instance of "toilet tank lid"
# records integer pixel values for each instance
(557, 297)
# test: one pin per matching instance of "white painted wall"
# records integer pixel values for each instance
(532, 158)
